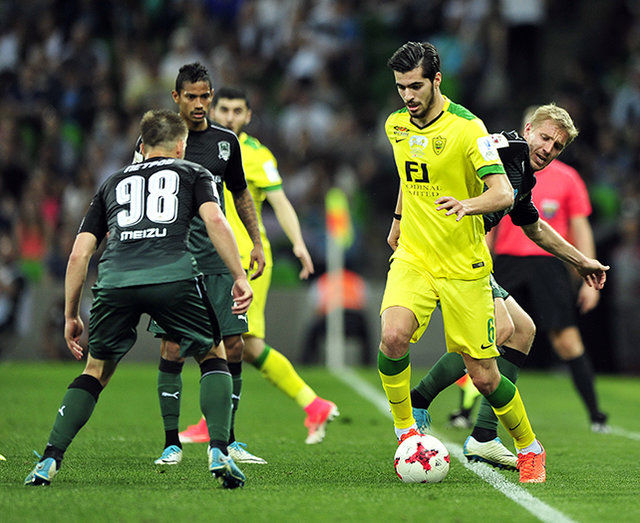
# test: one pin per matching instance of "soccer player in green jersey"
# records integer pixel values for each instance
(146, 208)
(444, 158)
(217, 149)
(231, 109)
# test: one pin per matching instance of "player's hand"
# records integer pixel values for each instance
(242, 296)
(588, 298)
(257, 261)
(303, 255)
(394, 234)
(452, 206)
(593, 273)
(73, 328)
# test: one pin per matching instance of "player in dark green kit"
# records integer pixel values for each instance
(145, 211)
(218, 150)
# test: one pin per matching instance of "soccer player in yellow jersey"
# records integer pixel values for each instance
(231, 109)
(444, 158)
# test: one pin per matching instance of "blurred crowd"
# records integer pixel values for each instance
(76, 75)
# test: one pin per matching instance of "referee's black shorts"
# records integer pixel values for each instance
(543, 286)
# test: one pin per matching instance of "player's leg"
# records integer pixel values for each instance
(277, 369)
(185, 313)
(111, 335)
(169, 397)
(218, 289)
(483, 444)
(408, 301)
(568, 345)
(450, 367)
(469, 321)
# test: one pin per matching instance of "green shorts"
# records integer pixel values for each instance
(498, 292)
(179, 307)
(218, 289)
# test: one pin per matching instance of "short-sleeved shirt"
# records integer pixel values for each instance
(147, 208)
(261, 172)
(448, 157)
(559, 195)
(217, 149)
(514, 153)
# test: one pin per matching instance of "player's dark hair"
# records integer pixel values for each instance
(162, 128)
(230, 93)
(414, 54)
(192, 73)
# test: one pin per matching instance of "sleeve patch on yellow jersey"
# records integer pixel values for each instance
(487, 148)
(499, 140)
(271, 171)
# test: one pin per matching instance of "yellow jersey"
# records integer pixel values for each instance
(261, 172)
(448, 157)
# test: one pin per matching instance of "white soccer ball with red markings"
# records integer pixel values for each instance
(421, 459)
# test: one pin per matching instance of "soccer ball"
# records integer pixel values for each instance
(421, 459)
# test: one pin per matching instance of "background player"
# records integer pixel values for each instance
(444, 158)
(146, 268)
(548, 132)
(218, 150)
(231, 108)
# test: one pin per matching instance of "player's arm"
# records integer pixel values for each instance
(288, 220)
(545, 236)
(77, 266)
(394, 232)
(498, 196)
(224, 241)
(582, 236)
(236, 182)
(246, 210)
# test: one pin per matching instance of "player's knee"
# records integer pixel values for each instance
(170, 351)
(505, 329)
(394, 342)
(234, 347)
(485, 382)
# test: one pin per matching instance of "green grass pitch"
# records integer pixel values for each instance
(108, 473)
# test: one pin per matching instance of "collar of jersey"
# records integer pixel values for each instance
(445, 107)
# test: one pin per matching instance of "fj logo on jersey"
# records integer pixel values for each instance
(418, 144)
(224, 151)
(438, 144)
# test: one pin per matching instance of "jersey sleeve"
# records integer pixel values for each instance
(234, 177)
(95, 220)
(267, 177)
(482, 150)
(524, 212)
(204, 189)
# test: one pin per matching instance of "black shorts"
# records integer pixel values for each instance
(181, 308)
(542, 285)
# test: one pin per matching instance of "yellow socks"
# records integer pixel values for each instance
(396, 382)
(276, 368)
(509, 409)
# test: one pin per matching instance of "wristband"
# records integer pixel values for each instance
(397, 216)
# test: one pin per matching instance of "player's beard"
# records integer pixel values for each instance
(428, 104)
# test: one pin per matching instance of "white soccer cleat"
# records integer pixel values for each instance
(239, 453)
(172, 455)
(492, 452)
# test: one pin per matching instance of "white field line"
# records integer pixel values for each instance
(514, 492)
(625, 433)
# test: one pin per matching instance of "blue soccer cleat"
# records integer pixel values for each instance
(172, 455)
(423, 420)
(224, 469)
(43, 473)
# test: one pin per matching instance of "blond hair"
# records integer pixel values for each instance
(559, 116)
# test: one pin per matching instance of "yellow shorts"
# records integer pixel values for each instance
(255, 315)
(467, 307)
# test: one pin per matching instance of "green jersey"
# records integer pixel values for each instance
(145, 210)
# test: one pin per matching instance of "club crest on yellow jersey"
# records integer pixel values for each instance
(438, 144)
